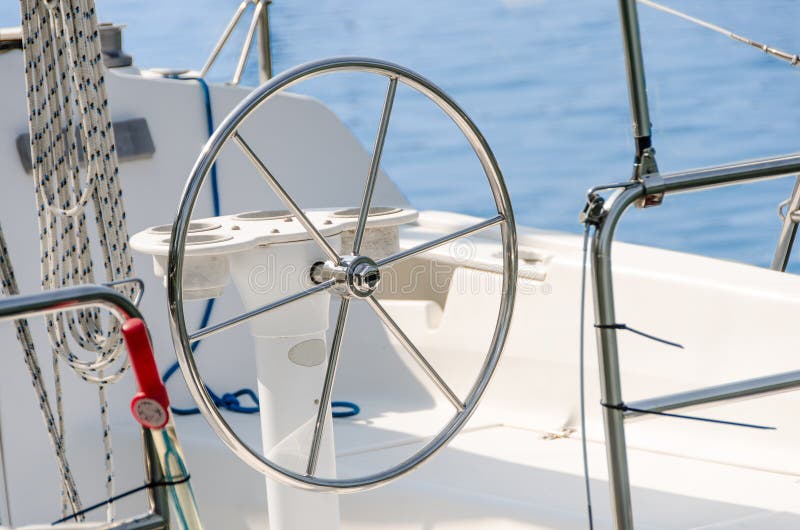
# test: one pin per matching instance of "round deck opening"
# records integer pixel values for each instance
(263, 215)
(376, 210)
(194, 226)
(202, 239)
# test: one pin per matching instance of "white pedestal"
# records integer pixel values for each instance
(291, 360)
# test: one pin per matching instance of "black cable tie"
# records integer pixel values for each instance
(625, 408)
(122, 495)
(642, 333)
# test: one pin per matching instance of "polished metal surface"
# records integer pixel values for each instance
(632, 47)
(729, 174)
(157, 499)
(608, 359)
(374, 165)
(137, 299)
(423, 363)
(788, 231)
(357, 276)
(264, 45)
(736, 391)
(259, 24)
(92, 296)
(327, 387)
(248, 43)
(286, 198)
(78, 297)
(244, 317)
(438, 242)
(364, 277)
(226, 34)
(227, 131)
(610, 384)
(645, 169)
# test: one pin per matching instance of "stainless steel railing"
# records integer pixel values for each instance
(605, 220)
(85, 296)
(259, 24)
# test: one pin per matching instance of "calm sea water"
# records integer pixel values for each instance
(544, 80)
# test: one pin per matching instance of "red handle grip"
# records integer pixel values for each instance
(150, 406)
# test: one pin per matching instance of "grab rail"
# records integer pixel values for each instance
(736, 391)
(85, 296)
(605, 218)
(259, 23)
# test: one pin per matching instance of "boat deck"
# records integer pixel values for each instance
(505, 477)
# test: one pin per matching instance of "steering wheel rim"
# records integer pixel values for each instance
(505, 219)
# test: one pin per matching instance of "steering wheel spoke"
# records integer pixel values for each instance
(244, 317)
(438, 242)
(423, 363)
(327, 387)
(374, 166)
(287, 199)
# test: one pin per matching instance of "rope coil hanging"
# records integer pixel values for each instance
(69, 123)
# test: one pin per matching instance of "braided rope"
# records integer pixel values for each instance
(67, 100)
(8, 286)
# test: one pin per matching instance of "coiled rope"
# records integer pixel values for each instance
(69, 124)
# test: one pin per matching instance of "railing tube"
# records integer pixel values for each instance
(610, 384)
(783, 249)
(607, 351)
(737, 173)
(728, 392)
(84, 296)
(264, 45)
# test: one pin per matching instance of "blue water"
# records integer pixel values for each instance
(544, 80)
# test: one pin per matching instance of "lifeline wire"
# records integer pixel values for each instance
(582, 383)
(149, 485)
(792, 58)
(640, 333)
(624, 408)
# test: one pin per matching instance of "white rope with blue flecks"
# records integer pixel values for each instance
(67, 101)
(8, 285)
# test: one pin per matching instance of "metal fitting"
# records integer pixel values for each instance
(593, 212)
(646, 172)
(357, 276)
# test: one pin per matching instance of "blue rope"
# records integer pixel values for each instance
(353, 409)
(230, 400)
(210, 125)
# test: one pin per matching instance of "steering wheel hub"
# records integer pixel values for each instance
(357, 276)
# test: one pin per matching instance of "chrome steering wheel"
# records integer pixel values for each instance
(349, 276)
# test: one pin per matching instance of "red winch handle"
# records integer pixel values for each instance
(150, 406)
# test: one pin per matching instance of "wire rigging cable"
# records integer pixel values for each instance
(582, 375)
(70, 126)
(792, 58)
